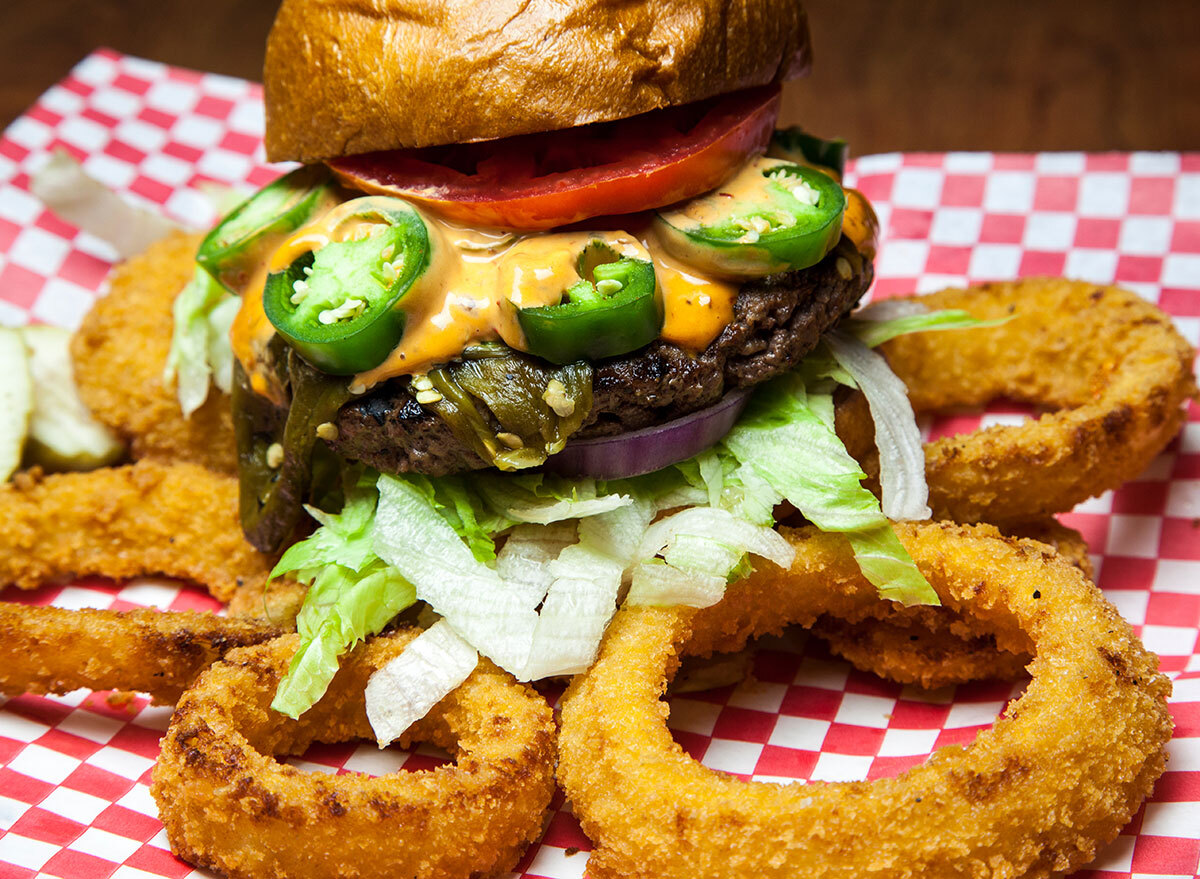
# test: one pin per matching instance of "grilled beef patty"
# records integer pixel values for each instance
(777, 321)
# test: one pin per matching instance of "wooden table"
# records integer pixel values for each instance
(922, 74)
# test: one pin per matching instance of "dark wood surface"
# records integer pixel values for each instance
(908, 75)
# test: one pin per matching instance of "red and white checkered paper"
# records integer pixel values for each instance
(74, 771)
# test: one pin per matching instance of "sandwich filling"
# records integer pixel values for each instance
(562, 296)
(384, 348)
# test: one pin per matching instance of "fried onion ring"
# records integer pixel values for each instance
(180, 520)
(53, 650)
(228, 805)
(1033, 796)
(119, 354)
(1112, 368)
(922, 645)
(918, 649)
(277, 602)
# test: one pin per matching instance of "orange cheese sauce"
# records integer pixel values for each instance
(471, 292)
(696, 307)
(479, 278)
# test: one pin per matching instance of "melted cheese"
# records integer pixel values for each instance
(472, 295)
(741, 193)
(696, 307)
(860, 224)
(478, 279)
(249, 336)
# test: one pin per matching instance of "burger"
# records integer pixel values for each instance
(544, 320)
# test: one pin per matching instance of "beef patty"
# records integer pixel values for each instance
(777, 321)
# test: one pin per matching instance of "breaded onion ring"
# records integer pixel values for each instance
(228, 805)
(53, 650)
(921, 649)
(1033, 796)
(932, 646)
(119, 354)
(180, 520)
(1112, 368)
(277, 602)
(1065, 541)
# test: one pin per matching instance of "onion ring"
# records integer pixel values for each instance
(229, 806)
(1034, 796)
(277, 602)
(179, 520)
(53, 650)
(933, 647)
(1065, 541)
(119, 353)
(1111, 366)
(920, 649)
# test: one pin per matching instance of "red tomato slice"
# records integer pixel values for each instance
(539, 181)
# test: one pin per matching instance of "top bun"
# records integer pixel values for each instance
(353, 76)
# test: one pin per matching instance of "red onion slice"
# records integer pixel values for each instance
(651, 448)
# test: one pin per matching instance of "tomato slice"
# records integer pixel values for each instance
(539, 181)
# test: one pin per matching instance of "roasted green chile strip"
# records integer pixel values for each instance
(512, 409)
(773, 216)
(616, 313)
(245, 238)
(277, 455)
(340, 305)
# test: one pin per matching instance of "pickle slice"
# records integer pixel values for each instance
(16, 400)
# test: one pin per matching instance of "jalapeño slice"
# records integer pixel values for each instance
(339, 305)
(243, 240)
(797, 145)
(612, 309)
(774, 216)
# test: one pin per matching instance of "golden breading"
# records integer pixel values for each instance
(180, 520)
(228, 804)
(1111, 368)
(120, 351)
(1034, 796)
(932, 646)
(54, 650)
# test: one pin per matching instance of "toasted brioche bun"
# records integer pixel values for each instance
(353, 76)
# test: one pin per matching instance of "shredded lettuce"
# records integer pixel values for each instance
(524, 562)
(901, 452)
(867, 325)
(352, 594)
(463, 511)
(482, 506)
(404, 690)
(784, 440)
(416, 539)
(342, 607)
(659, 584)
(543, 500)
(220, 350)
(886, 563)
(575, 612)
(583, 594)
(345, 538)
(200, 349)
(749, 496)
(714, 541)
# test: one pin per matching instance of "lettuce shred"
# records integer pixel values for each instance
(200, 352)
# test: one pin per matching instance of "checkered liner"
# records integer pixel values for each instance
(74, 771)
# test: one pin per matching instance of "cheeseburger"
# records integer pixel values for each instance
(546, 306)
